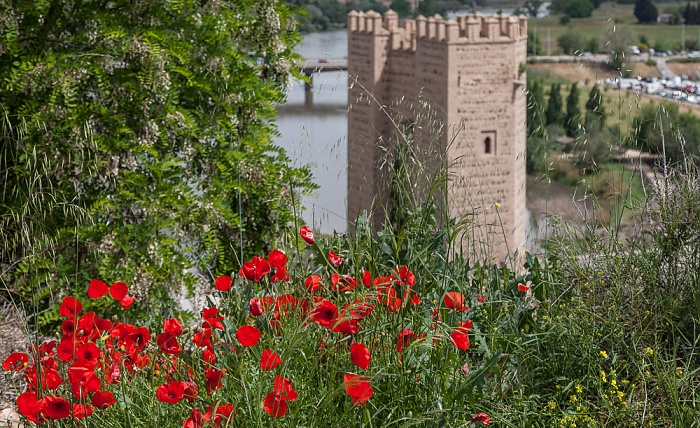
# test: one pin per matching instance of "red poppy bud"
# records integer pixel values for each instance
(223, 283)
(334, 259)
(405, 338)
(126, 302)
(307, 235)
(256, 308)
(523, 288)
(360, 356)
(481, 417)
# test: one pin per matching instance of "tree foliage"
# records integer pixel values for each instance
(534, 44)
(573, 8)
(663, 129)
(595, 110)
(645, 11)
(571, 41)
(555, 107)
(136, 142)
(572, 120)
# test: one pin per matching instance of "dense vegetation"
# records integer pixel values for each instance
(139, 146)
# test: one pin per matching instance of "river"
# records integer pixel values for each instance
(316, 135)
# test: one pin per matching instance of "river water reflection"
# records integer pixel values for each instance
(316, 134)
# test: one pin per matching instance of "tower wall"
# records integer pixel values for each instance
(469, 71)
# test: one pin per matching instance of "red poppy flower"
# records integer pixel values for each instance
(274, 406)
(191, 391)
(342, 283)
(313, 283)
(324, 313)
(83, 381)
(248, 335)
(29, 407)
(255, 270)
(480, 298)
(334, 259)
(358, 388)
(88, 351)
(350, 326)
(307, 235)
(214, 377)
(136, 340)
(277, 258)
(223, 413)
(102, 399)
(56, 407)
(118, 290)
(82, 410)
(269, 360)
(366, 278)
(195, 420)
(223, 283)
(523, 288)
(97, 289)
(51, 378)
(283, 389)
(70, 307)
(405, 338)
(455, 301)
(280, 275)
(171, 393)
(172, 327)
(460, 338)
(211, 320)
(359, 354)
(168, 344)
(15, 361)
(126, 302)
(406, 276)
(481, 417)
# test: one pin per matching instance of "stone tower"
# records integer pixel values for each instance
(471, 71)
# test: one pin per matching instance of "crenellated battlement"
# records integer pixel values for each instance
(475, 28)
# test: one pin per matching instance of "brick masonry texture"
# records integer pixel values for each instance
(457, 88)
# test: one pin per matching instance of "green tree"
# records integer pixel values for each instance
(532, 7)
(534, 44)
(554, 114)
(570, 41)
(139, 134)
(536, 121)
(573, 8)
(595, 110)
(402, 7)
(645, 11)
(572, 120)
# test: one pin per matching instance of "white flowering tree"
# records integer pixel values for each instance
(136, 142)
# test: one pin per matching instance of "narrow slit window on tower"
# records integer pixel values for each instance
(489, 141)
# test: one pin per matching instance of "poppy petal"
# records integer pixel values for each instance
(97, 289)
